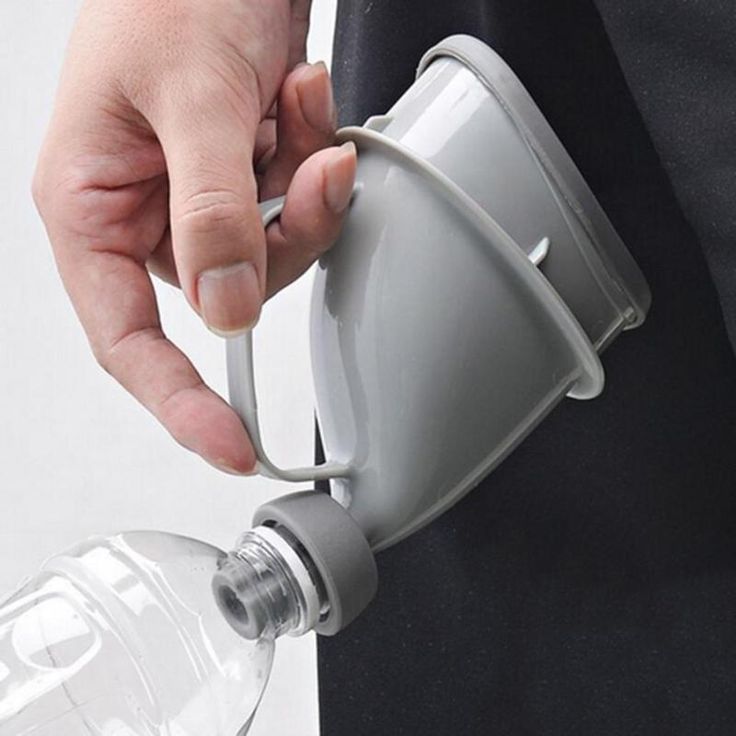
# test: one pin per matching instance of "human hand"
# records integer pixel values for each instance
(171, 119)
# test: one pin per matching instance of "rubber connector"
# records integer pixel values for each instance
(336, 546)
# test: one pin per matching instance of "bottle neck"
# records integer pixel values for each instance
(268, 586)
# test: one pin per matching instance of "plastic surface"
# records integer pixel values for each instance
(242, 391)
(267, 584)
(474, 283)
(431, 359)
(123, 637)
(436, 343)
(337, 547)
(470, 116)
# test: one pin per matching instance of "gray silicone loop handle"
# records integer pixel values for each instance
(242, 390)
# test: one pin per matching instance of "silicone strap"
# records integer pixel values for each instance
(242, 390)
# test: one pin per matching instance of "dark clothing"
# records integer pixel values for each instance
(588, 586)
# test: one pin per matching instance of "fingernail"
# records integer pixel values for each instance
(339, 175)
(314, 90)
(229, 298)
(222, 465)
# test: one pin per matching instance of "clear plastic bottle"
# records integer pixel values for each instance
(154, 634)
(150, 634)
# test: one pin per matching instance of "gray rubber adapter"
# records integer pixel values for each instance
(337, 547)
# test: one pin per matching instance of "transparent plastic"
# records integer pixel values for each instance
(125, 636)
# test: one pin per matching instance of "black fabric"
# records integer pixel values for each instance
(679, 57)
(589, 585)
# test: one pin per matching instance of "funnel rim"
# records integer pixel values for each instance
(505, 86)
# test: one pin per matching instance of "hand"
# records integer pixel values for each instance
(171, 118)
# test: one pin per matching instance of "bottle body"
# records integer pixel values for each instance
(123, 637)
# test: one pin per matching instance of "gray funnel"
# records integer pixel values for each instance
(474, 285)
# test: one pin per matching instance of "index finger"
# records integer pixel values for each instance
(116, 304)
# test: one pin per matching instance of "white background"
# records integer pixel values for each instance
(77, 455)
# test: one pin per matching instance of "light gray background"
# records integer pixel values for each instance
(77, 455)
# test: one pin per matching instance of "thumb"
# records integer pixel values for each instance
(218, 241)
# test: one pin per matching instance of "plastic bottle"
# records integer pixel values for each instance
(150, 634)
(154, 634)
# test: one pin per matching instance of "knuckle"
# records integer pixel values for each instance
(56, 188)
(105, 357)
(105, 354)
(109, 354)
(104, 361)
(211, 210)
